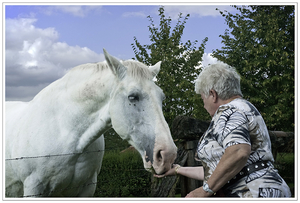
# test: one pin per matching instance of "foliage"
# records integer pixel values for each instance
(285, 163)
(178, 69)
(114, 142)
(261, 47)
(123, 175)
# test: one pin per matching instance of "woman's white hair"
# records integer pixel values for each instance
(220, 77)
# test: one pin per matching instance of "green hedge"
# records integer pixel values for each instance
(123, 175)
(285, 163)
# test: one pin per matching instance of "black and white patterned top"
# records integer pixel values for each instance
(239, 122)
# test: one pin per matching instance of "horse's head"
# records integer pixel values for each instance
(136, 113)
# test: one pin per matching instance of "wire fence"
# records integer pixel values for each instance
(84, 185)
(72, 154)
(283, 154)
(81, 186)
(53, 155)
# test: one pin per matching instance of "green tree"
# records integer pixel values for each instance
(178, 69)
(260, 45)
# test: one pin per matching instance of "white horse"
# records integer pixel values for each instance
(51, 141)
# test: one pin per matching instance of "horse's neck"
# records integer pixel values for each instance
(101, 124)
(96, 108)
(84, 111)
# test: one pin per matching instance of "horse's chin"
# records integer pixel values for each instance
(147, 165)
(153, 168)
(150, 170)
(156, 167)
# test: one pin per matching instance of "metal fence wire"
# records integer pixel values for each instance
(53, 155)
(81, 186)
(282, 147)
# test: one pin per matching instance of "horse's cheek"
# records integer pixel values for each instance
(119, 120)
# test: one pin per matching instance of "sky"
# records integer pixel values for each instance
(42, 42)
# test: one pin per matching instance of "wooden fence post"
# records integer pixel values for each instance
(188, 184)
(187, 131)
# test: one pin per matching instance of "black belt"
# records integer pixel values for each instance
(247, 170)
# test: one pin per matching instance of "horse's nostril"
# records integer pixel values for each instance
(159, 156)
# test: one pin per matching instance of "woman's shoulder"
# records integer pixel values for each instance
(238, 104)
(245, 106)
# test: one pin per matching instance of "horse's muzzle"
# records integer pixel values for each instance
(163, 159)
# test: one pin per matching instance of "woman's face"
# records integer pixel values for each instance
(209, 104)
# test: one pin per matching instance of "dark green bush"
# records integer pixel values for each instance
(285, 163)
(123, 175)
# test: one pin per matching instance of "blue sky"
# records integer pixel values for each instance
(42, 42)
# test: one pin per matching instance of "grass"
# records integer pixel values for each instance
(123, 175)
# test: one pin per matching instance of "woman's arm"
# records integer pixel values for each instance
(232, 161)
(196, 173)
(190, 172)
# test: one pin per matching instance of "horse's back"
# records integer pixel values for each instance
(14, 106)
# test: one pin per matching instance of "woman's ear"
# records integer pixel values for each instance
(214, 94)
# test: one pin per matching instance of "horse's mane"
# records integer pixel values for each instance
(135, 69)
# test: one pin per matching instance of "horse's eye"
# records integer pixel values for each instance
(133, 98)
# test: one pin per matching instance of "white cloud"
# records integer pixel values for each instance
(207, 59)
(34, 58)
(16, 30)
(195, 10)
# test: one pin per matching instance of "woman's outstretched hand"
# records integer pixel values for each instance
(171, 172)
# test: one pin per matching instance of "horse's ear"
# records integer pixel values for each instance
(155, 69)
(115, 65)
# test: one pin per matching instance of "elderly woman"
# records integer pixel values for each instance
(235, 151)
